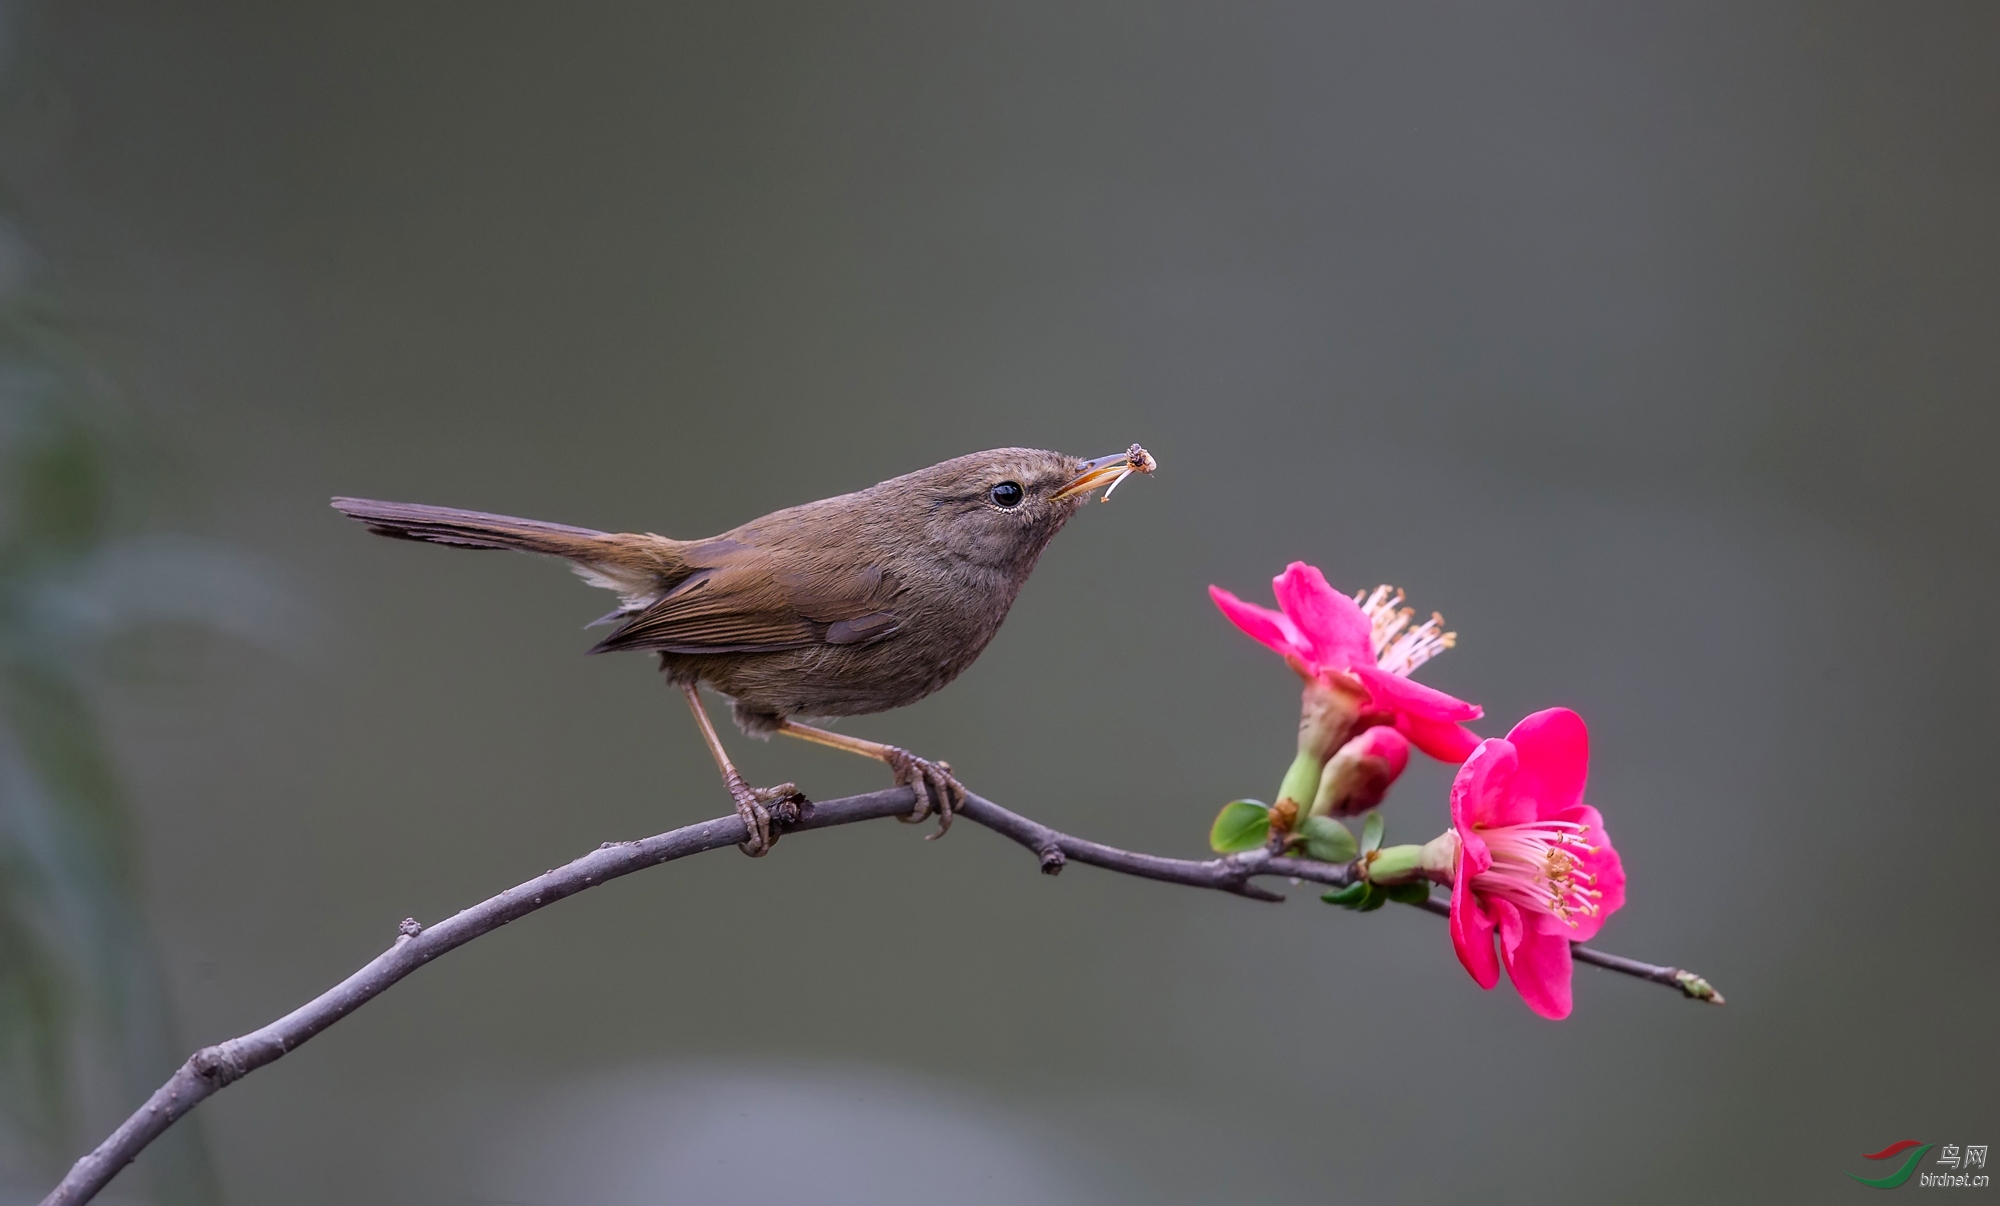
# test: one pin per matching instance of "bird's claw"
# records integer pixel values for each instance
(757, 819)
(932, 784)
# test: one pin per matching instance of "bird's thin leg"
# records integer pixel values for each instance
(750, 800)
(935, 788)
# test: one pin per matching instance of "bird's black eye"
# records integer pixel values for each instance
(1006, 494)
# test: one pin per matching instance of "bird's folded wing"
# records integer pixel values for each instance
(745, 603)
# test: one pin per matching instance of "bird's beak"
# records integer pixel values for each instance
(1112, 469)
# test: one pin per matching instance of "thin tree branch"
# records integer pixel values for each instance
(1692, 986)
(213, 1068)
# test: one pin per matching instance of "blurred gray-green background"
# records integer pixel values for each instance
(1657, 346)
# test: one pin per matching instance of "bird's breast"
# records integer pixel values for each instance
(945, 615)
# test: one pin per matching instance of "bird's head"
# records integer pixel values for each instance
(999, 508)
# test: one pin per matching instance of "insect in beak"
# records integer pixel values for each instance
(1112, 469)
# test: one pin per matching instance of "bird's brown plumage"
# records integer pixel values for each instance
(845, 606)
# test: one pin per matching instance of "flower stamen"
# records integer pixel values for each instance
(1536, 867)
(1399, 648)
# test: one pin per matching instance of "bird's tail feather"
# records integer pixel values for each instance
(469, 529)
(637, 566)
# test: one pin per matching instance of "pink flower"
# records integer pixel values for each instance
(1367, 643)
(1533, 860)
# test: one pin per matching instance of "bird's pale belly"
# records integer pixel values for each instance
(819, 681)
(933, 646)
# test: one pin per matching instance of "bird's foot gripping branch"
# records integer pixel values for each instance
(1530, 867)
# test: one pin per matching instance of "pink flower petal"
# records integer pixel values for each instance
(1472, 932)
(1538, 962)
(1395, 693)
(1474, 855)
(1508, 920)
(1482, 796)
(1441, 739)
(1555, 759)
(1332, 622)
(1269, 628)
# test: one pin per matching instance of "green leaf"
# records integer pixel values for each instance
(1328, 840)
(1376, 899)
(1241, 825)
(1348, 896)
(1414, 892)
(1371, 832)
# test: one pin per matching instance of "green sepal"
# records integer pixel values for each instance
(1414, 892)
(1377, 897)
(1241, 825)
(1301, 781)
(1328, 840)
(1348, 896)
(1371, 832)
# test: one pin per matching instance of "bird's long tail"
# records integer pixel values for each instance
(638, 566)
(469, 529)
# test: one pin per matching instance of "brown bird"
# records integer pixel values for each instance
(842, 607)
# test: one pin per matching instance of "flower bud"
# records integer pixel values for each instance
(1329, 707)
(1361, 773)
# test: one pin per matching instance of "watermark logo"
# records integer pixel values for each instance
(1889, 1153)
(1951, 1155)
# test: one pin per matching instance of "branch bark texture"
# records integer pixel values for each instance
(213, 1068)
